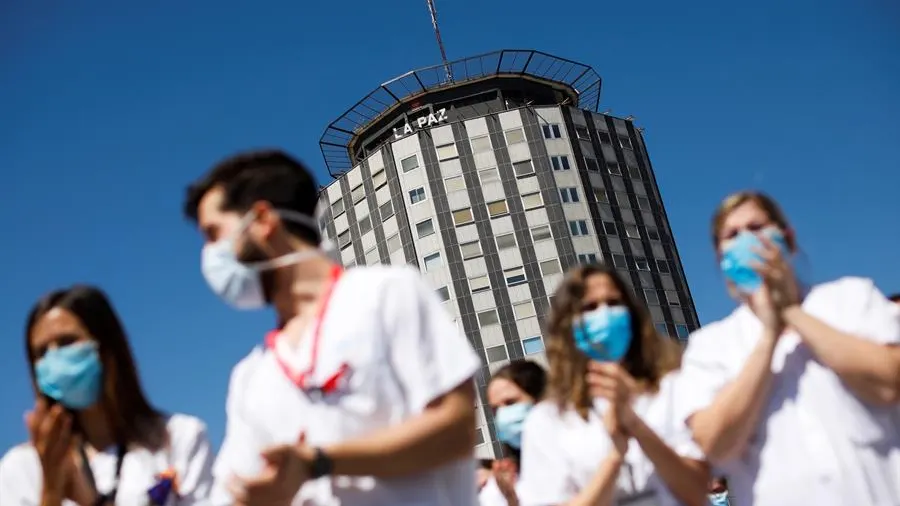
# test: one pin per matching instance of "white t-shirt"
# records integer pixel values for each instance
(561, 451)
(403, 351)
(816, 443)
(188, 454)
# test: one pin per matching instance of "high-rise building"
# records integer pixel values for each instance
(494, 182)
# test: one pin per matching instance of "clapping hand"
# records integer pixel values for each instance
(286, 469)
(505, 475)
(608, 380)
(779, 290)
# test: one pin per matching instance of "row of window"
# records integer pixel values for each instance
(561, 163)
(553, 131)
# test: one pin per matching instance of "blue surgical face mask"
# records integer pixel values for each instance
(604, 334)
(720, 499)
(738, 256)
(509, 421)
(237, 283)
(71, 375)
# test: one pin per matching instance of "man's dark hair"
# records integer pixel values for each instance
(272, 176)
(895, 297)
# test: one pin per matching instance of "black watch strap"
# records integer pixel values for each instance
(321, 465)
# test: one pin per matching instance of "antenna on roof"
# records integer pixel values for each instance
(437, 35)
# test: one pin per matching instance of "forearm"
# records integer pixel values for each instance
(51, 498)
(871, 370)
(602, 487)
(441, 434)
(686, 480)
(723, 428)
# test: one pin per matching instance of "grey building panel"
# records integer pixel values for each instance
(374, 213)
(326, 220)
(405, 230)
(355, 240)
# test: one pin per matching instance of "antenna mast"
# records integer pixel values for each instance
(437, 35)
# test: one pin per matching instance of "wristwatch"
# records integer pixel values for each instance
(321, 465)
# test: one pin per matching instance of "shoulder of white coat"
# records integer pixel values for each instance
(185, 431)
(713, 331)
(847, 286)
(543, 415)
(19, 460)
(246, 365)
(376, 277)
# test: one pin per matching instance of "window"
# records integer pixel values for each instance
(609, 228)
(479, 284)
(386, 210)
(578, 227)
(470, 250)
(661, 329)
(672, 298)
(682, 331)
(541, 233)
(634, 172)
(653, 233)
(409, 163)
(455, 183)
(551, 131)
(443, 293)
(488, 317)
(515, 276)
(372, 256)
(417, 195)
(523, 168)
(337, 208)
(643, 203)
(625, 142)
(365, 225)
(379, 179)
(632, 231)
(524, 310)
(481, 144)
(532, 200)
(425, 228)
(622, 200)
(550, 267)
(506, 241)
(641, 264)
(600, 195)
(343, 239)
(462, 216)
(652, 297)
(432, 261)
(619, 261)
(591, 164)
(496, 353)
(662, 266)
(447, 152)
(515, 136)
(560, 162)
(393, 243)
(568, 195)
(491, 175)
(582, 133)
(497, 208)
(533, 345)
(358, 193)
(604, 137)
(614, 168)
(479, 436)
(587, 258)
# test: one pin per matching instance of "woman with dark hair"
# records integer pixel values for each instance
(609, 431)
(95, 438)
(514, 389)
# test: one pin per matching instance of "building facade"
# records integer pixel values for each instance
(493, 185)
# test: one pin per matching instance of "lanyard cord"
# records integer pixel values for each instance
(103, 499)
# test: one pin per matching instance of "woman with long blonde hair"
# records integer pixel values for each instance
(607, 432)
(794, 394)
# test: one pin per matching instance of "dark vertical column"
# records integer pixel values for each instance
(403, 225)
(374, 212)
(355, 241)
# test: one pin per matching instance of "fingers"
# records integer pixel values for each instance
(236, 489)
(275, 455)
(263, 489)
(605, 368)
(53, 432)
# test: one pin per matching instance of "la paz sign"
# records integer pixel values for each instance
(428, 120)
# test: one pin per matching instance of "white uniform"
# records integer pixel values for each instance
(561, 452)
(402, 351)
(816, 443)
(491, 495)
(188, 454)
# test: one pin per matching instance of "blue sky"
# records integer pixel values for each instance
(110, 108)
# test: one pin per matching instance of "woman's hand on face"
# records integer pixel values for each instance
(505, 475)
(50, 429)
(608, 380)
(778, 276)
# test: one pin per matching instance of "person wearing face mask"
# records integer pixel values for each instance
(792, 393)
(513, 390)
(609, 432)
(363, 392)
(95, 438)
(718, 492)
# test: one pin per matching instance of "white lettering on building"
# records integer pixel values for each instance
(421, 122)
